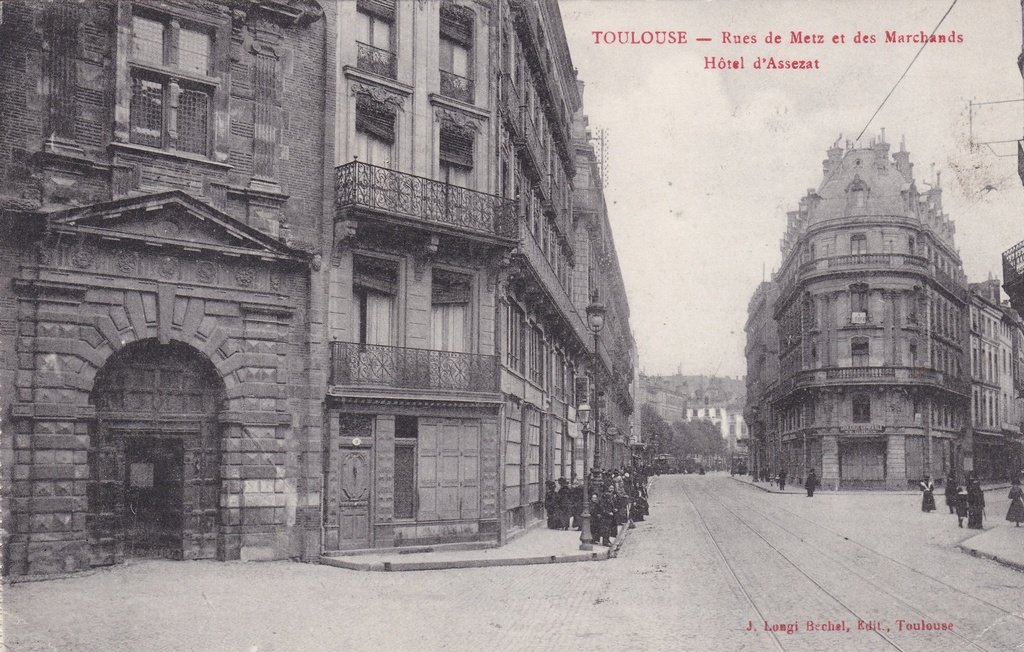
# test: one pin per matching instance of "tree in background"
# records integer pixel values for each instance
(697, 438)
(655, 430)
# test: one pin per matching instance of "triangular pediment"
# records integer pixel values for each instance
(172, 219)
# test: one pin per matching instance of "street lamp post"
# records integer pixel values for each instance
(595, 322)
(586, 537)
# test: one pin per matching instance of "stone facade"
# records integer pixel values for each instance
(871, 319)
(162, 209)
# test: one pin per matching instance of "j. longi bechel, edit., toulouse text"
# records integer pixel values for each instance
(842, 626)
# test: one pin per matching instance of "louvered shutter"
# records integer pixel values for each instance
(375, 118)
(457, 24)
(457, 147)
(383, 9)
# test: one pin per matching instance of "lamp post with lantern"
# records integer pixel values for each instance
(595, 322)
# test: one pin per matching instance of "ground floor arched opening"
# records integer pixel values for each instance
(154, 458)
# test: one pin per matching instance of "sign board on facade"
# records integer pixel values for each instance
(140, 475)
(864, 428)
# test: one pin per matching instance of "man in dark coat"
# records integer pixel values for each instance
(782, 479)
(811, 483)
(951, 493)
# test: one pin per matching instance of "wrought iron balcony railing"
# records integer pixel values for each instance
(376, 60)
(372, 365)
(457, 87)
(511, 105)
(361, 185)
(1013, 264)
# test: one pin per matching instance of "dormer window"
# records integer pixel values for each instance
(857, 194)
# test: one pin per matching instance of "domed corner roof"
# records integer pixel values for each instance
(870, 169)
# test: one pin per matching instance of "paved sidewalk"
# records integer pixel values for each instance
(538, 545)
(773, 487)
(1004, 544)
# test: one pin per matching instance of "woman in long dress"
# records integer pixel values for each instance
(975, 505)
(927, 494)
(1016, 511)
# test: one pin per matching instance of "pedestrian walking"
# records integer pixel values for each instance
(975, 505)
(927, 494)
(1016, 511)
(811, 483)
(961, 504)
(951, 493)
(782, 479)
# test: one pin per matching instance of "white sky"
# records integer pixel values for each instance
(704, 164)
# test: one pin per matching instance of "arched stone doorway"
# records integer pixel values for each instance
(154, 458)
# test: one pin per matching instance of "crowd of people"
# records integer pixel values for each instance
(968, 500)
(617, 497)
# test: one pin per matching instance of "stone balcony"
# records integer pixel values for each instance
(843, 376)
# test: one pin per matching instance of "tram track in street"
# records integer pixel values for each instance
(901, 564)
(824, 591)
(843, 563)
(732, 571)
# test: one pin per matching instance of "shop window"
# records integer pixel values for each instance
(406, 432)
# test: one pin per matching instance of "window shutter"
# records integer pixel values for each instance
(383, 9)
(457, 147)
(427, 480)
(375, 118)
(457, 24)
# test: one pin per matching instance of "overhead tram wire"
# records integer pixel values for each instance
(894, 87)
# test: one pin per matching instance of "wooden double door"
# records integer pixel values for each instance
(154, 459)
(154, 492)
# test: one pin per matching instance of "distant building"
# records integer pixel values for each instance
(762, 354)
(670, 405)
(995, 424)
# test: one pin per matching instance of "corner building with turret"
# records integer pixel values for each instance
(870, 309)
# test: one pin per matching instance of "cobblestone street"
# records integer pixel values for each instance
(715, 555)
